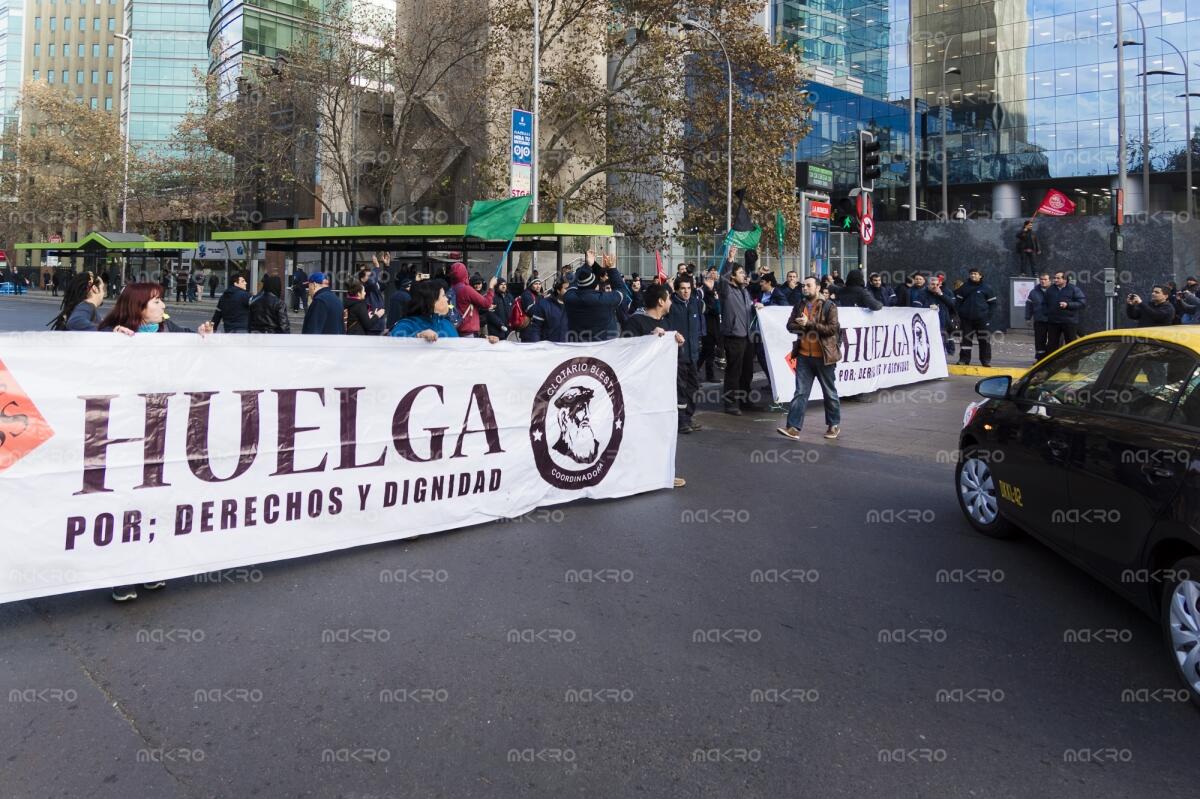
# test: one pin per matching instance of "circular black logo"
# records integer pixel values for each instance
(578, 422)
(921, 344)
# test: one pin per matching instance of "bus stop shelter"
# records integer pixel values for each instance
(96, 249)
(339, 246)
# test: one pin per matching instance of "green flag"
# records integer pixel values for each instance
(744, 239)
(497, 220)
(780, 228)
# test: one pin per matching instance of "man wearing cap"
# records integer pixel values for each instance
(397, 303)
(975, 301)
(591, 313)
(324, 314)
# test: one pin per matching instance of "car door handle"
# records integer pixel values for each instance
(1157, 472)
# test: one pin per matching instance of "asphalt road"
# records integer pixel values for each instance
(808, 619)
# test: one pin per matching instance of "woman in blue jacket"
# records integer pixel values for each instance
(426, 313)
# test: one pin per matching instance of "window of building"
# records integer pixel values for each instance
(110, 51)
(80, 51)
(50, 76)
(112, 24)
(53, 23)
(50, 49)
(95, 103)
(95, 51)
(95, 76)
(37, 49)
(37, 74)
(82, 24)
(108, 77)
(107, 103)
(66, 77)
(79, 77)
(37, 23)
(96, 24)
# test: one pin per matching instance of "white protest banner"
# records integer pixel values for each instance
(880, 349)
(127, 460)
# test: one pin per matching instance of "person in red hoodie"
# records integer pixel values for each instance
(470, 303)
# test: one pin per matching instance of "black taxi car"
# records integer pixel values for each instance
(1095, 451)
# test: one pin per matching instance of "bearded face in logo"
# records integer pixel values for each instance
(576, 440)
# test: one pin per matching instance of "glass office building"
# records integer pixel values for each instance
(844, 41)
(170, 52)
(1030, 101)
(261, 29)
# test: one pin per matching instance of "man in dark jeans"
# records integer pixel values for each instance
(737, 314)
(1036, 312)
(1063, 302)
(974, 301)
(816, 351)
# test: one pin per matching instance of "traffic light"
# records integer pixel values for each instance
(868, 160)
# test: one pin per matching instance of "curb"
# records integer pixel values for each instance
(988, 371)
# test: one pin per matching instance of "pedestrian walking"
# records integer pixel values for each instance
(975, 302)
(213, 282)
(299, 285)
(816, 352)
(234, 306)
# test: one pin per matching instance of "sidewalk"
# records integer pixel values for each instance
(1012, 354)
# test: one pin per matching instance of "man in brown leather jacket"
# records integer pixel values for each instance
(816, 352)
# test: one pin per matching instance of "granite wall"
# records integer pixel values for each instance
(1155, 251)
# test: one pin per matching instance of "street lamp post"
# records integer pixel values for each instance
(912, 124)
(691, 23)
(1187, 116)
(126, 107)
(1145, 112)
(537, 98)
(944, 100)
(1122, 176)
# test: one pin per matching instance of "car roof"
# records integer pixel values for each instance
(1187, 336)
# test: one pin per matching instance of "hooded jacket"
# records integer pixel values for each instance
(854, 294)
(737, 309)
(470, 303)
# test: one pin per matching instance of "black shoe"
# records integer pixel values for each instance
(685, 430)
(694, 426)
(733, 410)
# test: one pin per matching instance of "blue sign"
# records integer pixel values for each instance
(522, 137)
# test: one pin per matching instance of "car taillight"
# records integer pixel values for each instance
(972, 408)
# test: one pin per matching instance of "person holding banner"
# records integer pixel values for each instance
(686, 318)
(816, 351)
(427, 316)
(140, 309)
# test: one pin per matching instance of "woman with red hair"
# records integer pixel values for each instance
(140, 309)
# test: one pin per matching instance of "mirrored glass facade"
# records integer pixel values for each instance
(170, 50)
(1027, 91)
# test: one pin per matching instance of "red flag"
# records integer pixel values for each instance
(1056, 204)
(662, 273)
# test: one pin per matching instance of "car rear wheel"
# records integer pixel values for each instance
(1180, 611)
(977, 495)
